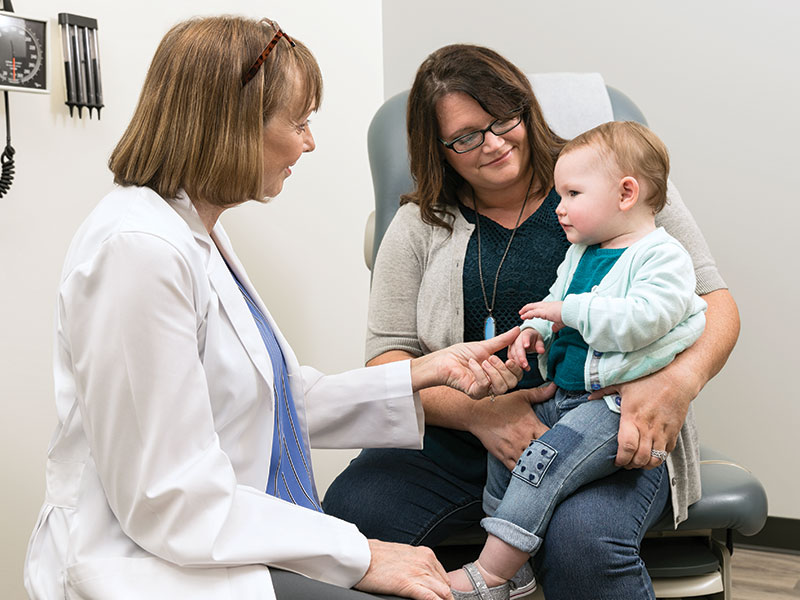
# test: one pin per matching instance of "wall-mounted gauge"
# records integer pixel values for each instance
(23, 53)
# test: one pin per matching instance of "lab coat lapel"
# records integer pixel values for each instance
(235, 306)
(224, 245)
(292, 365)
(230, 297)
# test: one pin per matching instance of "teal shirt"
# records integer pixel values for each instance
(565, 365)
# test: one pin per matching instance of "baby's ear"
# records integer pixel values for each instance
(628, 193)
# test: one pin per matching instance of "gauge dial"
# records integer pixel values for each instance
(22, 53)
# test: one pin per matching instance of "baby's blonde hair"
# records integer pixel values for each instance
(636, 151)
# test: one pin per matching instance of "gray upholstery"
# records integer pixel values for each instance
(733, 499)
(623, 107)
(388, 161)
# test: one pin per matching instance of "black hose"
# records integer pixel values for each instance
(7, 158)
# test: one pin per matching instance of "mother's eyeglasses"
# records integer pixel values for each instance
(251, 72)
(473, 139)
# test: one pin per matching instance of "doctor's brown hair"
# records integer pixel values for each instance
(500, 88)
(635, 151)
(196, 126)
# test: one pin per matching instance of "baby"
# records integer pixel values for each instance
(622, 306)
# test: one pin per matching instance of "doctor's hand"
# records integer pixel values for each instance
(469, 367)
(407, 571)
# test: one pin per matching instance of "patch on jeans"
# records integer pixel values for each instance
(534, 462)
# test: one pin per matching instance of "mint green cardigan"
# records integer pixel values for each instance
(636, 319)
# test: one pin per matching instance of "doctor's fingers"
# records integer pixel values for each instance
(503, 376)
(496, 343)
(406, 571)
(438, 591)
(481, 384)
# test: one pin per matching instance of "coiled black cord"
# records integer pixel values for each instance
(7, 158)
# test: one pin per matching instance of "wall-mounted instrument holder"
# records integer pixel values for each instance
(81, 54)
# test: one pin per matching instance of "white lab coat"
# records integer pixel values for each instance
(157, 470)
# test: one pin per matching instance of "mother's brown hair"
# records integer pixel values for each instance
(196, 126)
(500, 88)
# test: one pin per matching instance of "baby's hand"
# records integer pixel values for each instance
(549, 311)
(529, 340)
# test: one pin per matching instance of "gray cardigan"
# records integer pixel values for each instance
(417, 303)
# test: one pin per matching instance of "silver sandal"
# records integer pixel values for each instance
(481, 591)
(523, 582)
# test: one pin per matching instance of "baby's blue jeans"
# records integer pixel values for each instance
(579, 448)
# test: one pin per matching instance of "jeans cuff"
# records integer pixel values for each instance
(511, 534)
(490, 503)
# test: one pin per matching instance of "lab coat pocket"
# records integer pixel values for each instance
(155, 579)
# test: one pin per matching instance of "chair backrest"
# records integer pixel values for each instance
(388, 158)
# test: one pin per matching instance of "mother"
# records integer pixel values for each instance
(482, 154)
(180, 465)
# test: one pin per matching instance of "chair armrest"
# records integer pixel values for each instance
(732, 498)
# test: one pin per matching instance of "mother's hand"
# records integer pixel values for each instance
(654, 407)
(470, 367)
(652, 413)
(407, 571)
(507, 426)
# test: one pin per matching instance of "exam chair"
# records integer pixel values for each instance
(690, 562)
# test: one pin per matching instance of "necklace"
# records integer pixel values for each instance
(489, 327)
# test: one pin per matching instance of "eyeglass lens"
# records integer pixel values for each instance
(472, 140)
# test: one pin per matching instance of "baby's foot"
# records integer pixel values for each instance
(459, 580)
(491, 579)
(470, 583)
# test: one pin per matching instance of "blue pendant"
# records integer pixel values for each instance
(488, 328)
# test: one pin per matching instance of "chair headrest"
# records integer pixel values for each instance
(572, 102)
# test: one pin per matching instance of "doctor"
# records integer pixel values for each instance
(180, 465)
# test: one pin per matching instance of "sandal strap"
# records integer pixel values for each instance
(477, 580)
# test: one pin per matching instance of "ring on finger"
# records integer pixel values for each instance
(659, 454)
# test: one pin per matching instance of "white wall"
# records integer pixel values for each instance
(718, 81)
(318, 221)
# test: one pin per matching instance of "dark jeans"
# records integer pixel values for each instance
(591, 549)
